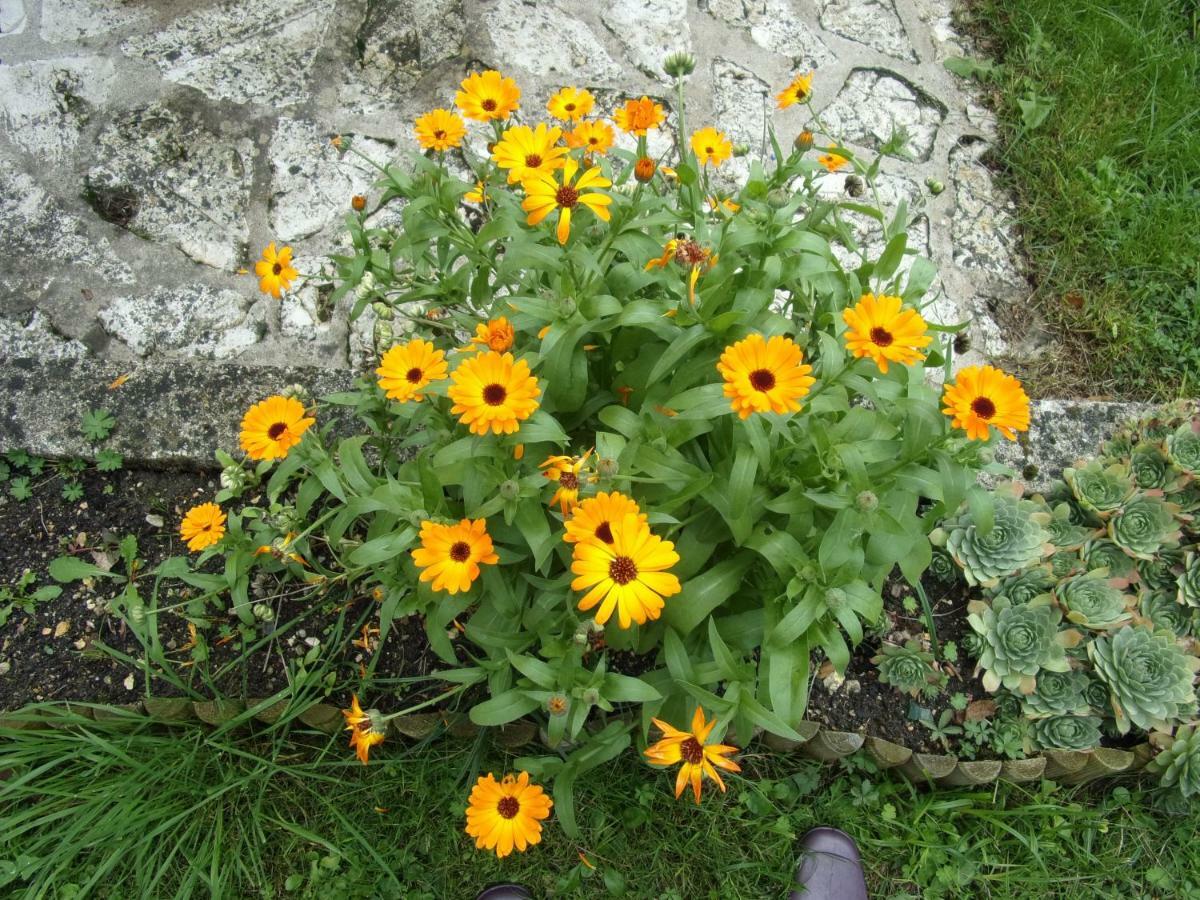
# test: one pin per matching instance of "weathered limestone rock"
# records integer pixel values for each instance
(45, 105)
(649, 29)
(548, 40)
(70, 20)
(983, 228)
(775, 26)
(12, 17)
(741, 100)
(871, 22)
(165, 176)
(193, 320)
(874, 105)
(35, 336)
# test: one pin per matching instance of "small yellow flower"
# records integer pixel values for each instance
(711, 146)
(627, 575)
(275, 271)
(691, 748)
(495, 334)
(639, 116)
(564, 471)
(595, 137)
(764, 376)
(544, 194)
(571, 104)
(507, 814)
(407, 369)
(486, 96)
(832, 160)
(440, 130)
(273, 426)
(492, 392)
(799, 91)
(523, 151)
(477, 195)
(365, 732)
(203, 526)
(450, 555)
(983, 396)
(882, 330)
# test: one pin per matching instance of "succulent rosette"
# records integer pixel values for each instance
(1098, 488)
(1178, 763)
(942, 567)
(1057, 694)
(1017, 539)
(1183, 446)
(1163, 612)
(1067, 732)
(1066, 534)
(1091, 600)
(1162, 572)
(1023, 587)
(1189, 580)
(908, 668)
(1021, 641)
(1103, 554)
(1097, 697)
(1144, 526)
(1149, 677)
(1151, 469)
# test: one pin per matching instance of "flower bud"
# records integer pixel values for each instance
(679, 64)
(855, 186)
(643, 169)
(580, 637)
(358, 202)
(935, 186)
(510, 490)
(233, 478)
(608, 467)
(567, 307)
(835, 599)
(557, 704)
(740, 150)
(803, 142)
(383, 311)
(263, 612)
(962, 343)
(866, 501)
(778, 198)
(416, 517)
(298, 392)
(591, 696)
(383, 334)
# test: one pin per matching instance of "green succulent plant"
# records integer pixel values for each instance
(1183, 446)
(910, 669)
(972, 644)
(1010, 738)
(1017, 539)
(1162, 572)
(1149, 677)
(1097, 697)
(1067, 732)
(1144, 526)
(1103, 554)
(1165, 613)
(1056, 694)
(1178, 764)
(1091, 600)
(1025, 586)
(1066, 534)
(1100, 489)
(1189, 580)
(942, 567)
(1021, 641)
(1151, 469)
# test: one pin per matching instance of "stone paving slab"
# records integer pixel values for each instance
(148, 151)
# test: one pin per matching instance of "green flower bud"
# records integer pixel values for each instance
(383, 311)
(679, 64)
(866, 501)
(740, 150)
(778, 198)
(935, 187)
(510, 490)
(567, 307)
(608, 467)
(263, 612)
(835, 599)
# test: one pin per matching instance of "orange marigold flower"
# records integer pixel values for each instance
(450, 555)
(366, 728)
(691, 748)
(523, 150)
(764, 375)
(832, 160)
(544, 194)
(203, 526)
(564, 471)
(495, 334)
(358, 202)
(882, 330)
(272, 427)
(571, 104)
(507, 814)
(493, 392)
(983, 396)
(711, 146)
(407, 369)
(799, 91)
(643, 169)
(626, 575)
(639, 116)
(486, 96)
(275, 271)
(595, 137)
(439, 130)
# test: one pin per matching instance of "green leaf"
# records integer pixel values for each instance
(625, 689)
(533, 669)
(542, 427)
(69, 568)
(531, 522)
(704, 593)
(677, 350)
(893, 254)
(109, 461)
(383, 548)
(503, 708)
(97, 424)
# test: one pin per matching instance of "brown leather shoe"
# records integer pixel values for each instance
(504, 892)
(830, 869)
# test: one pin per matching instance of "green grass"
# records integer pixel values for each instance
(1108, 186)
(96, 812)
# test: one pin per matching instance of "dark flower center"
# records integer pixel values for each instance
(566, 196)
(622, 570)
(604, 532)
(494, 394)
(593, 140)
(762, 379)
(569, 480)
(206, 527)
(692, 751)
(460, 551)
(489, 104)
(508, 807)
(439, 134)
(277, 268)
(983, 407)
(708, 150)
(413, 375)
(275, 432)
(533, 160)
(689, 253)
(570, 107)
(881, 336)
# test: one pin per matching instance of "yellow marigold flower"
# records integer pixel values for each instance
(407, 369)
(543, 195)
(477, 195)
(487, 95)
(595, 137)
(203, 526)
(691, 748)
(522, 151)
(639, 116)
(273, 426)
(627, 575)
(564, 471)
(711, 146)
(764, 376)
(365, 729)
(450, 555)
(275, 272)
(882, 330)
(981, 396)
(495, 334)
(491, 391)
(506, 814)
(832, 160)
(799, 91)
(439, 130)
(571, 104)
(688, 254)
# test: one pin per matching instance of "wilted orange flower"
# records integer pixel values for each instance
(486, 96)
(564, 471)
(639, 116)
(366, 729)
(690, 748)
(983, 396)
(690, 255)
(571, 104)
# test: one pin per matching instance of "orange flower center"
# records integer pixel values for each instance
(489, 104)
(494, 394)
(566, 196)
(801, 93)
(460, 551)
(762, 379)
(622, 570)
(881, 336)
(508, 807)
(277, 268)
(708, 150)
(275, 432)
(604, 532)
(692, 751)
(569, 480)
(983, 407)
(570, 107)
(413, 375)
(532, 161)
